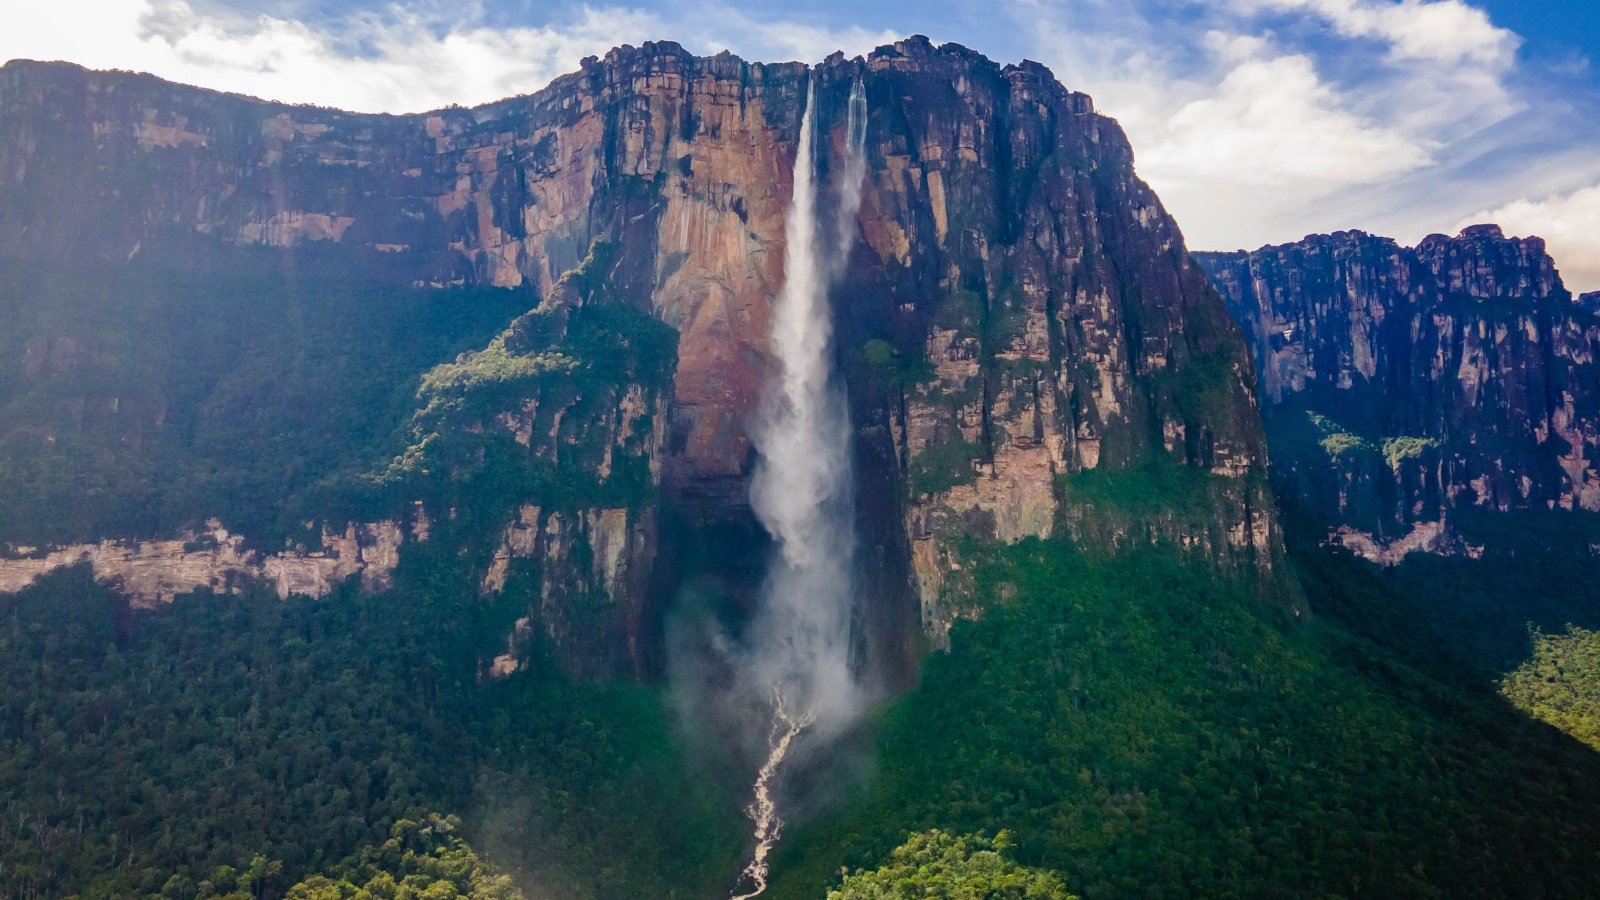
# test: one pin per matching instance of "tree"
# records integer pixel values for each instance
(422, 860)
(936, 864)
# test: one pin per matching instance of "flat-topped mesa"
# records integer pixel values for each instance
(1482, 263)
(1409, 383)
(1018, 307)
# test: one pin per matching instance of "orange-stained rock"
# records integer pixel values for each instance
(1032, 295)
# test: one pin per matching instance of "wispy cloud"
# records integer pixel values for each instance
(1271, 125)
(1445, 32)
(725, 27)
(396, 59)
(1258, 121)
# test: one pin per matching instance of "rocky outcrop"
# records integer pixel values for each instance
(591, 568)
(1424, 537)
(1029, 312)
(1018, 309)
(1407, 384)
(152, 573)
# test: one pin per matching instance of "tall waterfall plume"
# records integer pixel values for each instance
(803, 485)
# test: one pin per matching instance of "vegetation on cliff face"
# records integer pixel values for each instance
(943, 466)
(1436, 378)
(263, 389)
(574, 381)
(1341, 444)
(1465, 620)
(1183, 494)
(138, 400)
(1399, 449)
(1334, 440)
(491, 366)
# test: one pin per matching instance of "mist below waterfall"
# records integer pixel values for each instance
(803, 488)
(797, 654)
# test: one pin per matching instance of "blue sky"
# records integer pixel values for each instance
(1256, 120)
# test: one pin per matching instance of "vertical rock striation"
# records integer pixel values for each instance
(1018, 314)
(1406, 385)
(1026, 311)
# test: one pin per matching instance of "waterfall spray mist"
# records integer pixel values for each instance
(803, 485)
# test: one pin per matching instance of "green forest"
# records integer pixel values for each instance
(1135, 727)
(1560, 683)
(1145, 730)
(942, 866)
(143, 752)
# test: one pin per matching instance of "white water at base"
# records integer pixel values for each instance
(763, 809)
(803, 487)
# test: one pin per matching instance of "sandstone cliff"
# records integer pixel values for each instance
(150, 573)
(1018, 325)
(1408, 385)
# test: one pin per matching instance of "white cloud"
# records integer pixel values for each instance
(410, 60)
(1570, 225)
(1445, 58)
(1435, 31)
(408, 67)
(1238, 135)
(772, 41)
(1256, 129)
(1273, 124)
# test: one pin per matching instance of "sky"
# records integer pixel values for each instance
(1256, 121)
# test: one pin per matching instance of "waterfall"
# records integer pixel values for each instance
(802, 489)
(855, 169)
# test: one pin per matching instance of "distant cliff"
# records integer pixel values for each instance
(1023, 334)
(1406, 386)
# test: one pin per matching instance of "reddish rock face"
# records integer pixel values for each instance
(1018, 307)
(1409, 384)
(679, 159)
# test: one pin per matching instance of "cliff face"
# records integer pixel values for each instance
(149, 573)
(1021, 310)
(1406, 385)
(1018, 310)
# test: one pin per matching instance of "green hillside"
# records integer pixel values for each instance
(1147, 730)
